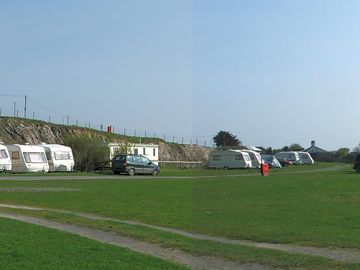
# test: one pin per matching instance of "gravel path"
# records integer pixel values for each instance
(192, 261)
(339, 254)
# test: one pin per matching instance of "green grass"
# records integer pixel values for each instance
(30, 247)
(318, 208)
(239, 253)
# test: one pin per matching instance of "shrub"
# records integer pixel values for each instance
(89, 153)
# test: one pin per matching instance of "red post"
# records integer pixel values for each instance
(264, 169)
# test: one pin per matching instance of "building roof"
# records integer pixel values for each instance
(315, 149)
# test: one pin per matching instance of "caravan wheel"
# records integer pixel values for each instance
(226, 168)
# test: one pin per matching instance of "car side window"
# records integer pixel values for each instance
(130, 159)
(137, 160)
(145, 161)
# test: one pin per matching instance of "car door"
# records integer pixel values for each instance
(138, 164)
(148, 167)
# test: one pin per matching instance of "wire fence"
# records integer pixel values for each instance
(24, 106)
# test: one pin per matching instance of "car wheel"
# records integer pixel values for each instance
(116, 172)
(155, 173)
(131, 172)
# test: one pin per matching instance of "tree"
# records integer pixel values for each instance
(225, 138)
(296, 147)
(124, 148)
(89, 153)
(342, 152)
(357, 148)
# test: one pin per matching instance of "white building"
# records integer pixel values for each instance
(151, 151)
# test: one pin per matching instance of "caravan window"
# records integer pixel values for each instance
(62, 156)
(3, 154)
(15, 155)
(154, 152)
(217, 157)
(238, 157)
(136, 151)
(34, 157)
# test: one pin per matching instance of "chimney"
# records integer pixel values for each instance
(312, 143)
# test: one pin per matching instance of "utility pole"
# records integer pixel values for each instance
(25, 107)
(14, 109)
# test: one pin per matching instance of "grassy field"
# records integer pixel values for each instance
(30, 247)
(292, 205)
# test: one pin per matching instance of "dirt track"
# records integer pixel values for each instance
(339, 254)
(192, 261)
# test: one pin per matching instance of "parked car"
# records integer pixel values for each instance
(357, 163)
(286, 163)
(133, 164)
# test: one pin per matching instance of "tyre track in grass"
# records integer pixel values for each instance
(181, 257)
(349, 255)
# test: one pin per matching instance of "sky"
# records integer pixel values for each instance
(271, 72)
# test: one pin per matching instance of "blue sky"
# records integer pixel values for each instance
(271, 72)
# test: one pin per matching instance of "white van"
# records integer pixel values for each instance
(306, 158)
(59, 157)
(289, 156)
(5, 161)
(229, 159)
(28, 158)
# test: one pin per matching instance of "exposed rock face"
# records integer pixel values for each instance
(15, 130)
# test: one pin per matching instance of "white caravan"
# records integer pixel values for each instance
(288, 156)
(28, 158)
(255, 157)
(229, 159)
(306, 158)
(5, 161)
(60, 157)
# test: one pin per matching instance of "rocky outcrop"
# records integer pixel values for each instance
(16, 130)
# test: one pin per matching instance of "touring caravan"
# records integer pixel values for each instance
(305, 158)
(229, 159)
(59, 157)
(288, 156)
(271, 161)
(255, 157)
(5, 161)
(28, 158)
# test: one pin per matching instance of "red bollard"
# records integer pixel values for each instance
(264, 169)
